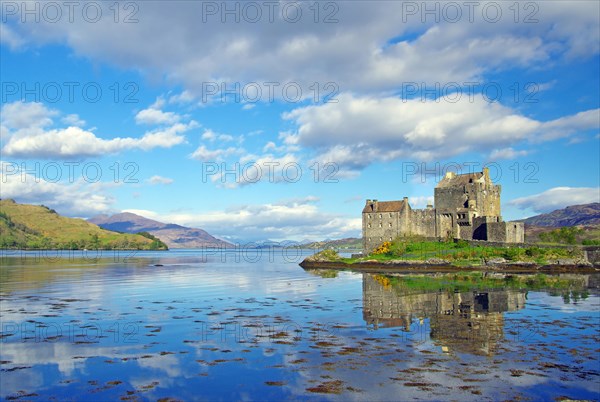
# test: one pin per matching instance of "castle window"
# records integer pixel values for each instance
(380, 224)
(390, 214)
(369, 225)
(380, 216)
(390, 224)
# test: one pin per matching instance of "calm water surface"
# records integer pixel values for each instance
(192, 325)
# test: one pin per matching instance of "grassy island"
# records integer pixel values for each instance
(461, 254)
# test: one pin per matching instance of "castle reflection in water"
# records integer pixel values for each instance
(470, 322)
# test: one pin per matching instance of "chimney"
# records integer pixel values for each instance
(368, 202)
(449, 175)
(486, 174)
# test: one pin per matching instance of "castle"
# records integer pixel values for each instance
(467, 206)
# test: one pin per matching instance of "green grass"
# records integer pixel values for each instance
(461, 253)
(38, 227)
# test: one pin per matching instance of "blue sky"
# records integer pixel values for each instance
(110, 107)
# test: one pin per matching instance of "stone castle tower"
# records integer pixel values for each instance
(467, 206)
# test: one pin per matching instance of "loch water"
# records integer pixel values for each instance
(253, 325)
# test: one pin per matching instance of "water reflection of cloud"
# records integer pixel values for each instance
(169, 364)
(590, 304)
(11, 383)
(68, 357)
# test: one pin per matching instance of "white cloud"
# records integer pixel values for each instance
(388, 50)
(74, 142)
(557, 198)
(33, 140)
(156, 116)
(359, 131)
(73, 120)
(210, 135)
(507, 153)
(420, 201)
(225, 138)
(204, 154)
(18, 115)
(567, 125)
(26, 188)
(265, 168)
(269, 146)
(293, 219)
(182, 98)
(159, 180)
(10, 37)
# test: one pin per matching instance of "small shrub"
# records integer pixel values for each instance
(533, 252)
(384, 248)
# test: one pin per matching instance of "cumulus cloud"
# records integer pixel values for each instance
(32, 139)
(557, 198)
(19, 115)
(156, 116)
(204, 154)
(26, 188)
(358, 131)
(73, 120)
(74, 142)
(211, 136)
(391, 48)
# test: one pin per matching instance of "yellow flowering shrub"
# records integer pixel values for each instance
(384, 248)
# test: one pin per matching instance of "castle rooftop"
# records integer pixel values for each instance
(452, 179)
(385, 206)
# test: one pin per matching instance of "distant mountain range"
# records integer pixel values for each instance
(349, 243)
(175, 236)
(575, 215)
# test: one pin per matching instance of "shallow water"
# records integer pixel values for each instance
(201, 325)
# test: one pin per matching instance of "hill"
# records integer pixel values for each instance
(575, 224)
(38, 227)
(175, 236)
(348, 243)
(575, 215)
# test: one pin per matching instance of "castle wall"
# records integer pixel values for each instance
(379, 227)
(445, 225)
(447, 199)
(422, 222)
(465, 232)
(493, 229)
(515, 232)
(488, 200)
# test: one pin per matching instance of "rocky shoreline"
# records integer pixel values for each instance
(434, 265)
